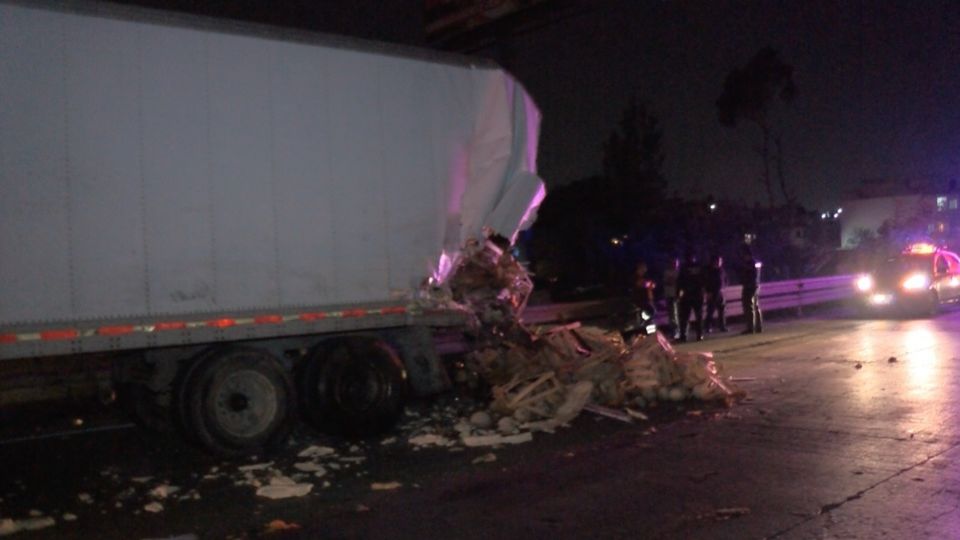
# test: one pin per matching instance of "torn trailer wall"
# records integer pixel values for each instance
(220, 171)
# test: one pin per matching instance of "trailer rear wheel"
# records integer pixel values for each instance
(237, 401)
(355, 386)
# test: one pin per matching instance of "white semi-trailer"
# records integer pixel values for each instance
(242, 216)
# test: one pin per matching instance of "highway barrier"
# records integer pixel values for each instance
(774, 296)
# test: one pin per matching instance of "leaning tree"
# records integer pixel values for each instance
(749, 94)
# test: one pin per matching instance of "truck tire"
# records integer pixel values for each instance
(237, 401)
(354, 386)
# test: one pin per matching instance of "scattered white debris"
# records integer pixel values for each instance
(163, 491)
(85, 498)
(486, 458)
(385, 486)
(153, 507)
(142, 479)
(493, 440)
(192, 495)
(610, 413)
(354, 449)
(282, 481)
(481, 419)
(10, 526)
(308, 466)
(69, 517)
(388, 441)
(35, 513)
(316, 451)
(284, 491)
(358, 459)
(430, 439)
(321, 473)
(506, 426)
(255, 467)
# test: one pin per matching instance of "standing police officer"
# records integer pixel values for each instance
(690, 287)
(714, 279)
(749, 274)
(670, 294)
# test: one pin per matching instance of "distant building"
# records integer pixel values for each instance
(914, 211)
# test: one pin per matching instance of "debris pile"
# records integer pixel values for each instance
(542, 377)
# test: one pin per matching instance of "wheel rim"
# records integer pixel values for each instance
(360, 388)
(245, 404)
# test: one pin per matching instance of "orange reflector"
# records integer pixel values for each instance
(54, 335)
(268, 319)
(170, 325)
(221, 323)
(312, 316)
(353, 313)
(393, 310)
(114, 330)
(8, 338)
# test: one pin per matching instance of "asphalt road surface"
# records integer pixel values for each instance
(850, 430)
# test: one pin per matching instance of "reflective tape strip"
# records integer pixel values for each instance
(115, 330)
(62, 334)
(168, 325)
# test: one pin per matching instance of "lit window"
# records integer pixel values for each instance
(941, 227)
(941, 203)
(953, 203)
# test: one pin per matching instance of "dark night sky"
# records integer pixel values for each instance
(879, 87)
(879, 82)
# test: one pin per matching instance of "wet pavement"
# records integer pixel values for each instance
(835, 440)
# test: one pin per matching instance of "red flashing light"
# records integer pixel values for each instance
(396, 310)
(8, 338)
(268, 319)
(351, 313)
(312, 316)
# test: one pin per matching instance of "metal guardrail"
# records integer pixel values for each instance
(793, 294)
(774, 296)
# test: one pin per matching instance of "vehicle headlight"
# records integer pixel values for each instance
(864, 283)
(915, 282)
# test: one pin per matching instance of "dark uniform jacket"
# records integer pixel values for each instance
(713, 279)
(690, 281)
(749, 274)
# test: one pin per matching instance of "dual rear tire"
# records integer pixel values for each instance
(235, 400)
(353, 386)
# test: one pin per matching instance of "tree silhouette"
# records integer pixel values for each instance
(749, 94)
(633, 153)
